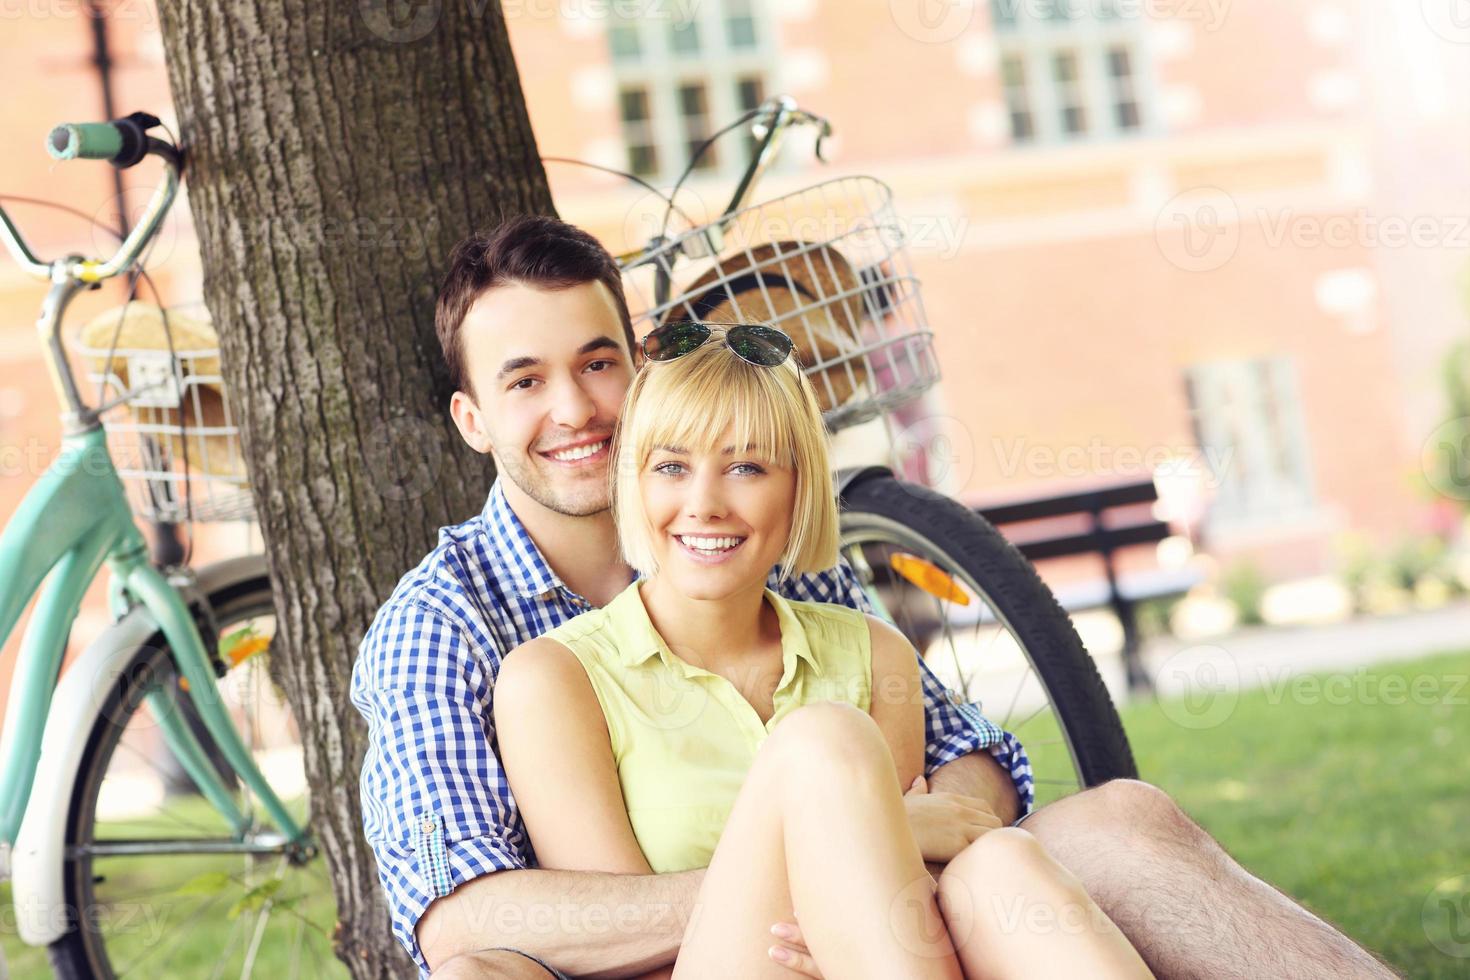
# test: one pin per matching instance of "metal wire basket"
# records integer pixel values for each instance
(171, 432)
(829, 266)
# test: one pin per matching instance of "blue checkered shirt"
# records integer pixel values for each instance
(436, 808)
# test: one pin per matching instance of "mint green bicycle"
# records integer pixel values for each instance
(153, 808)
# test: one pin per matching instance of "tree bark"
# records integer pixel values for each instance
(336, 151)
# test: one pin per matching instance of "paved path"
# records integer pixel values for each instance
(1270, 657)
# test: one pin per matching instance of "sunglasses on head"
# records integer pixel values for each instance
(753, 343)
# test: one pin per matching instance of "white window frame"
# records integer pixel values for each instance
(1035, 41)
(662, 71)
(1252, 489)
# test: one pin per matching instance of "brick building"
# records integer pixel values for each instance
(1226, 234)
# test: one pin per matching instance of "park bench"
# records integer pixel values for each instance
(1097, 521)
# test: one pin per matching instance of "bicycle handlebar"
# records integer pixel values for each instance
(781, 113)
(124, 142)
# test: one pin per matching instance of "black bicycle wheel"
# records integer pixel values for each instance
(156, 883)
(1001, 639)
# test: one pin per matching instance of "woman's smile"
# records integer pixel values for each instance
(709, 549)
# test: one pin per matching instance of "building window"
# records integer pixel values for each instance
(1247, 419)
(681, 80)
(740, 24)
(1069, 92)
(694, 110)
(1125, 101)
(1072, 71)
(638, 131)
(1018, 105)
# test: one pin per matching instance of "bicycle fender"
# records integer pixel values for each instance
(853, 475)
(37, 888)
(36, 864)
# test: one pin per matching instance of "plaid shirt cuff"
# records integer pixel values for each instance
(439, 867)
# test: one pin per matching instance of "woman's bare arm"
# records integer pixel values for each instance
(558, 757)
(607, 915)
(898, 699)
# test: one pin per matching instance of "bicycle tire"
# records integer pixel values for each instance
(82, 953)
(968, 547)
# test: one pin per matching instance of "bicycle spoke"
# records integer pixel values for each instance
(227, 911)
(1045, 705)
(1011, 708)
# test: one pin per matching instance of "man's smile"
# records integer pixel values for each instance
(584, 453)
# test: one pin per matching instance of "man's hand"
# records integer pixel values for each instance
(944, 824)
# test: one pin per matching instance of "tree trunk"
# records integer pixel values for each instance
(336, 151)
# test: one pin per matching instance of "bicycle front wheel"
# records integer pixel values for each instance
(157, 882)
(988, 626)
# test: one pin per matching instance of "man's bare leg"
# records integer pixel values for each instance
(1184, 903)
(491, 964)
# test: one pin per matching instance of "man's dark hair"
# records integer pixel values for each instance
(532, 249)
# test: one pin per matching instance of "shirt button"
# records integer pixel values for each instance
(954, 698)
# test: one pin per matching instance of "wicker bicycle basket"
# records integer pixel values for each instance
(829, 266)
(170, 429)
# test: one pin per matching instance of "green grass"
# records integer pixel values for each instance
(1353, 804)
(184, 916)
(1352, 797)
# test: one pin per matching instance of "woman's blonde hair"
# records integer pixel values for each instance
(689, 402)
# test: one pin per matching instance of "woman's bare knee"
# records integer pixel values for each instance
(824, 749)
(829, 728)
(1005, 881)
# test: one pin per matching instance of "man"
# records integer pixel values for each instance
(536, 335)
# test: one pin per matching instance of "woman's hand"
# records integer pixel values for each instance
(791, 952)
(946, 823)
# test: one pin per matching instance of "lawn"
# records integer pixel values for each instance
(1350, 794)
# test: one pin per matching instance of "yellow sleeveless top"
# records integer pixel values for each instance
(683, 737)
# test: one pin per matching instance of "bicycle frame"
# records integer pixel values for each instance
(75, 519)
(774, 117)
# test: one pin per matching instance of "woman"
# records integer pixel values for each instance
(701, 720)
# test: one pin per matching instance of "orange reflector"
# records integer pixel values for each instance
(929, 577)
(239, 653)
(246, 649)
